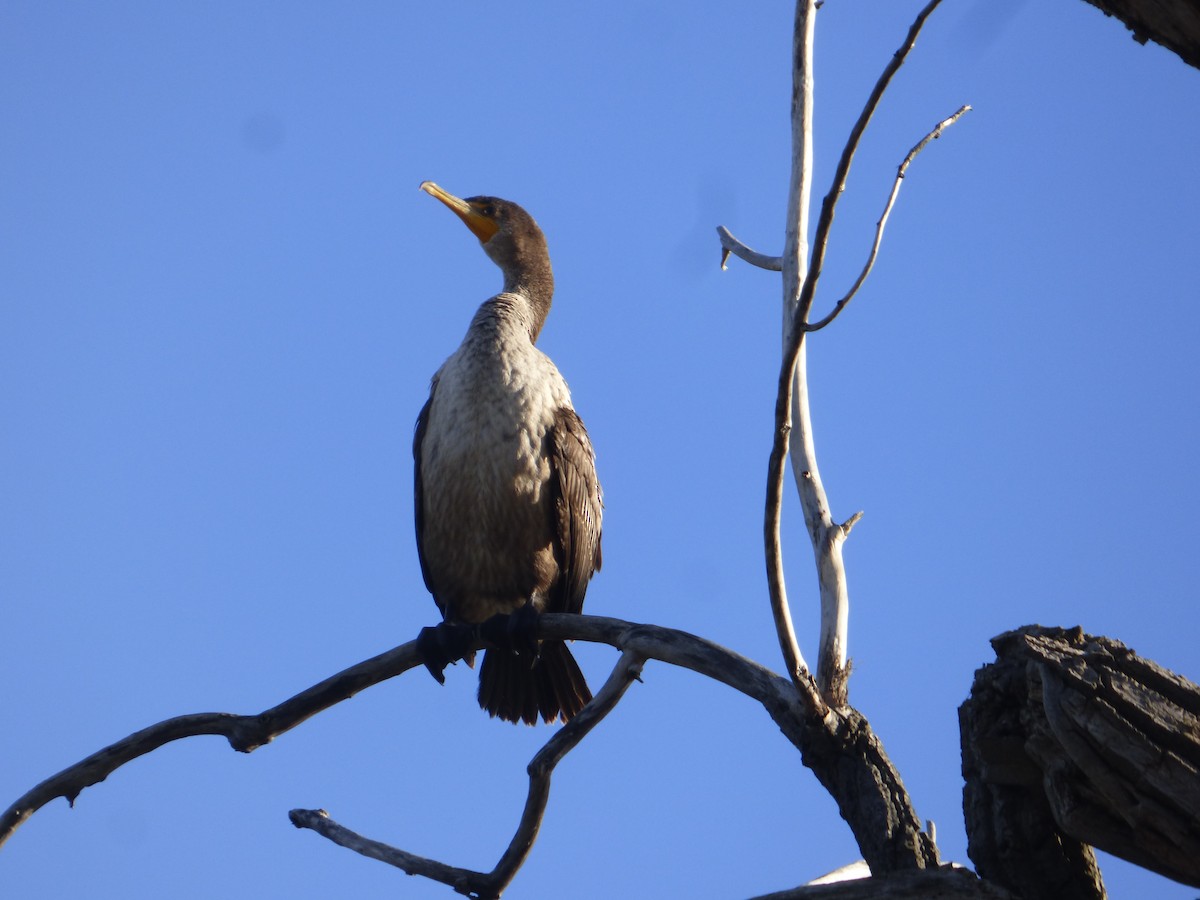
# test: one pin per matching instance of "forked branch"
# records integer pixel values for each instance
(838, 747)
(491, 884)
(792, 411)
(887, 211)
(842, 172)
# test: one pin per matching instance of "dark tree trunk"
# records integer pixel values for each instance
(1070, 740)
(1175, 24)
(850, 762)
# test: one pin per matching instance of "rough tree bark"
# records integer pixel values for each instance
(1070, 740)
(1174, 24)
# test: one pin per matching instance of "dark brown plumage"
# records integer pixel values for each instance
(508, 508)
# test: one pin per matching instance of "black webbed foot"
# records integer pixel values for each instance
(516, 632)
(444, 644)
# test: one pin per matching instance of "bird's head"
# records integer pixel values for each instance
(509, 235)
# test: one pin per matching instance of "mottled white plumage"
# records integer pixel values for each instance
(488, 509)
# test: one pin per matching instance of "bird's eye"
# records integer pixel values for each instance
(489, 211)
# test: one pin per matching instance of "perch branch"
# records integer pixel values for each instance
(887, 211)
(839, 746)
(492, 884)
(731, 245)
(244, 733)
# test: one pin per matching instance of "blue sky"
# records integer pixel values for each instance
(223, 297)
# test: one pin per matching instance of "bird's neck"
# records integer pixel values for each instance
(534, 285)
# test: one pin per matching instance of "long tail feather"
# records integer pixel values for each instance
(512, 690)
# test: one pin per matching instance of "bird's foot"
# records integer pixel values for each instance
(446, 643)
(516, 632)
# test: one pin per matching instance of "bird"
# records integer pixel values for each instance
(508, 505)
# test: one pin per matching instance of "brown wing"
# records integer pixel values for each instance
(418, 491)
(579, 509)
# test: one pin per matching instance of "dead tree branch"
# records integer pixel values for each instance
(839, 747)
(792, 405)
(793, 268)
(732, 246)
(842, 172)
(887, 211)
(244, 733)
(487, 885)
(800, 276)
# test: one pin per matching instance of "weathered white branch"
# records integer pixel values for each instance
(795, 235)
(793, 262)
(731, 245)
(826, 536)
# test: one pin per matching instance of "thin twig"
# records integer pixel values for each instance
(842, 173)
(887, 211)
(318, 820)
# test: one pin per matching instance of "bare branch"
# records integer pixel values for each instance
(247, 733)
(244, 733)
(731, 245)
(792, 406)
(838, 746)
(887, 211)
(793, 269)
(795, 236)
(842, 173)
(850, 523)
(318, 820)
(492, 884)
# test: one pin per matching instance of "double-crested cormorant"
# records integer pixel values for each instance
(507, 501)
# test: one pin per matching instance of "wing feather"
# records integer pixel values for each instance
(418, 490)
(578, 507)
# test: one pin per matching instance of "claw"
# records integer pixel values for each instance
(432, 653)
(522, 630)
(442, 645)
